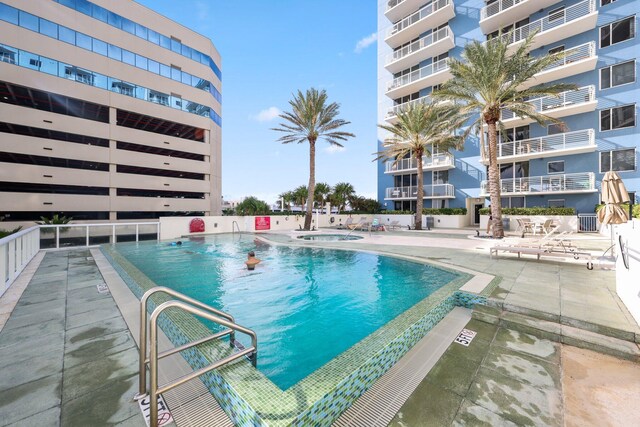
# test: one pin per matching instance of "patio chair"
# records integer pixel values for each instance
(364, 226)
(346, 224)
(549, 227)
(393, 225)
(524, 226)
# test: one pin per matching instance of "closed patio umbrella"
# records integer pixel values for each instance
(614, 194)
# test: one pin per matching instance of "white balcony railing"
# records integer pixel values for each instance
(564, 99)
(497, 7)
(571, 13)
(436, 161)
(393, 111)
(577, 140)
(419, 15)
(436, 191)
(575, 54)
(419, 44)
(393, 3)
(584, 182)
(418, 74)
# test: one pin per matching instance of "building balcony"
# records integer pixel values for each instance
(437, 162)
(436, 191)
(563, 24)
(565, 104)
(430, 75)
(430, 16)
(392, 113)
(426, 47)
(581, 141)
(571, 183)
(579, 59)
(503, 12)
(398, 9)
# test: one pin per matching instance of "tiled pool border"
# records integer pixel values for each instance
(249, 398)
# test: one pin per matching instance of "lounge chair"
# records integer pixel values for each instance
(393, 225)
(549, 227)
(556, 246)
(346, 224)
(364, 226)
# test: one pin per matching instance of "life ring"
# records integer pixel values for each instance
(332, 220)
(286, 218)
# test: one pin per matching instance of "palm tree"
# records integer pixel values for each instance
(421, 128)
(300, 195)
(488, 79)
(322, 192)
(252, 206)
(342, 192)
(311, 119)
(287, 197)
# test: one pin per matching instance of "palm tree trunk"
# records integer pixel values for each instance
(419, 193)
(494, 182)
(312, 183)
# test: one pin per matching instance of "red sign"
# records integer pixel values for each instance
(263, 223)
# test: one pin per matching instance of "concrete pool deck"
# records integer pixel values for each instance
(61, 302)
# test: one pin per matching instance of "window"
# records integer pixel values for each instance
(159, 98)
(556, 49)
(555, 167)
(617, 32)
(556, 203)
(618, 117)
(618, 160)
(618, 75)
(557, 128)
(606, 2)
(513, 202)
(123, 88)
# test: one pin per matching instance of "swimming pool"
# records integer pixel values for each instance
(307, 305)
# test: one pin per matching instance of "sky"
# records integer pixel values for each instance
(270, 50)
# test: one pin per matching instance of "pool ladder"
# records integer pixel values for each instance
(235, 225)
(197, 308)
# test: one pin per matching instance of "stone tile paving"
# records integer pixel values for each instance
(66, 356)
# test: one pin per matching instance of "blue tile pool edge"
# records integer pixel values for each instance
(334, 401)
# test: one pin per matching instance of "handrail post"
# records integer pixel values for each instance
(153, 371)
(57, 237)
(113, 234)
(87, 235)
(137, 231)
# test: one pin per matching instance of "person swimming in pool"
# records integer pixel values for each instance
(252, 261)
(178, 243)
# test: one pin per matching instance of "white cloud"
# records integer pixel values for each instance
(266, 115)
(365, 42)
(331, 149)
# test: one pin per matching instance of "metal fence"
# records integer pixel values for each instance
(588, 223)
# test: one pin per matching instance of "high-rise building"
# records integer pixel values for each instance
(539, 166)
(108, 111)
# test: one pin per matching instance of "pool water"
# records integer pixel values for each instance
(307, 305)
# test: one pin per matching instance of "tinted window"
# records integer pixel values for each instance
(83, 41)
(48, 28)
(68, 35)
(100, 47)
(9, 14)
(28, 21)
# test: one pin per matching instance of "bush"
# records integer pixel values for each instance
(397, 212)
(5, 233)
(444, 211)
(532, 211)
(252, 206)
(635, 212)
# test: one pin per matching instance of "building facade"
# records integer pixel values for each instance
(108, 111)
(539, 166)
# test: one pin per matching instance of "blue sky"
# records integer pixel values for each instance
(270, 49)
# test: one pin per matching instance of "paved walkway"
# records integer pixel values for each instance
(66, 356)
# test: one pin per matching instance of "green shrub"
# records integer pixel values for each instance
(444, 211)
(5, 233)
(635, 212)
(54, 220)
(533, 211)
(397, 212)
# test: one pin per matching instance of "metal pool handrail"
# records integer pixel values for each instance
(233, 229)
(197, 308)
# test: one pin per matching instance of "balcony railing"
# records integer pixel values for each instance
(567, 183)
(441, 160)
(575, 54)
(422, 43)
(393, 3)
(436, 191)
(416, 75)
(548, 144)
(564, 99)
(393, 111)
(427, 10)
(550, 22)
(497, 7)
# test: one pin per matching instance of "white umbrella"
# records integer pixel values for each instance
(614, 194)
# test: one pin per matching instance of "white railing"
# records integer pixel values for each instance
(417, 16)
(80, 235)
(549, 143)
(437, 160)
(547, 23)
(16, 250)
(575, 54)
(498, 7)
(418, 74)
(564, 99)
(393, 111)
(565, 183)
(421, 43)
(430, 192)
